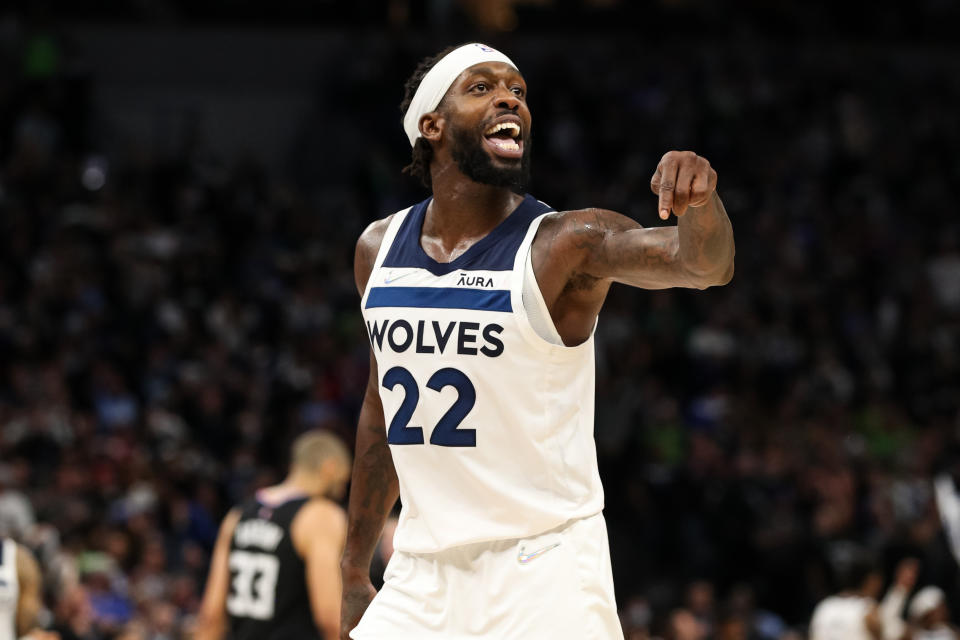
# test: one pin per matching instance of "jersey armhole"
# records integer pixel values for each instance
(545, 323)
(534, 306)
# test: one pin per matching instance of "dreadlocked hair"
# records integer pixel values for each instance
(419, 166)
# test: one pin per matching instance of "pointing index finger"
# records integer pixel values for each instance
(668, 182)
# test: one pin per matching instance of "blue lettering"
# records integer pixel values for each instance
(422, 348)
(377, 332)
(465, 339)
(407, 335)
(497, 345)
(400, 336)
(443, 337)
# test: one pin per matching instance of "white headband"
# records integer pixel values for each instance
(435, 84)
(925, 601)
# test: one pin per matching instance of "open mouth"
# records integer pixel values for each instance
(504, 139)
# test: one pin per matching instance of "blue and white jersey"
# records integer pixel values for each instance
(490, 425)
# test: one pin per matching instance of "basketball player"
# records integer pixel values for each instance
(20, 600)
(274, 573)
(854, 613)
(929, 616)
(480, 303)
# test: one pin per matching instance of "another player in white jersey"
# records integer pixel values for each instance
(930, 617)
(855, 614)
(480, 304)
(20, 601)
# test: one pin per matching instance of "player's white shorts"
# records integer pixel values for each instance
(554, 586)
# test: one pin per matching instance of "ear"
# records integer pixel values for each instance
(431, 126)
(328, 467)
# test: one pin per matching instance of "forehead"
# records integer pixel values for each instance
(492, 69)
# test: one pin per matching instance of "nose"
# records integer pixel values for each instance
(507, 99)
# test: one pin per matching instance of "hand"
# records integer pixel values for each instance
(358, 593)
(906, 575)
(683, 179)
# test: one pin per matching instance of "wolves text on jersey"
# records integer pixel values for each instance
(437, 337)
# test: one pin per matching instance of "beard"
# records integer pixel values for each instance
(474, 161)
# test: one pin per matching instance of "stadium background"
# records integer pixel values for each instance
(182, 184)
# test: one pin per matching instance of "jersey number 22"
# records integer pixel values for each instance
(446, 433)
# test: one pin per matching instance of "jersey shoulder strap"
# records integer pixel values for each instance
(385, 243)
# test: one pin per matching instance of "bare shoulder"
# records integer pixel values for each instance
(322, 509)
(27, 567)
(368, 245)
(571, 239)
(320, 517)
(369, 242)
(230, 520)
(581, 228)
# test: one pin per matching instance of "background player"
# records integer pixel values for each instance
(930, 616)
(274, 572)
(500, 297)
(20, 599)
(855, 613)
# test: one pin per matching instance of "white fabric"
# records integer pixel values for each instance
(925, 601)
(483, 590)
(438, 80)
(535, 463)
(943, 632)
(841, 618)
(9, 589)
(534, 306)
(16, 514)
(948, 504)
(891, 608)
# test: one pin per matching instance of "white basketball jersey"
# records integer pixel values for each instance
(841, 618)
(490, 426)
(9, 589)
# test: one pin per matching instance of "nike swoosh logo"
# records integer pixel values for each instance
(390, 279)
(524, 558)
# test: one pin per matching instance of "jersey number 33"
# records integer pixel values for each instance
(254, 585)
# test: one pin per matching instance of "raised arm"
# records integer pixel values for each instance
(697, 253)
(374, 488)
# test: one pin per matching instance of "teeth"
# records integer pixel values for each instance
(508, 145)
(512, 126)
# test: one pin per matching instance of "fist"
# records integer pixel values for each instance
(683, 179)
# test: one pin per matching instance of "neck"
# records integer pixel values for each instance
(294, 484)
(462, 208)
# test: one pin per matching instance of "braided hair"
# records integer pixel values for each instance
(419, 166)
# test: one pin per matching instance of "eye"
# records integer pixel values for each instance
(480, 86)
(518, 91)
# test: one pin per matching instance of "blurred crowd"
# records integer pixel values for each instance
(170, 321)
